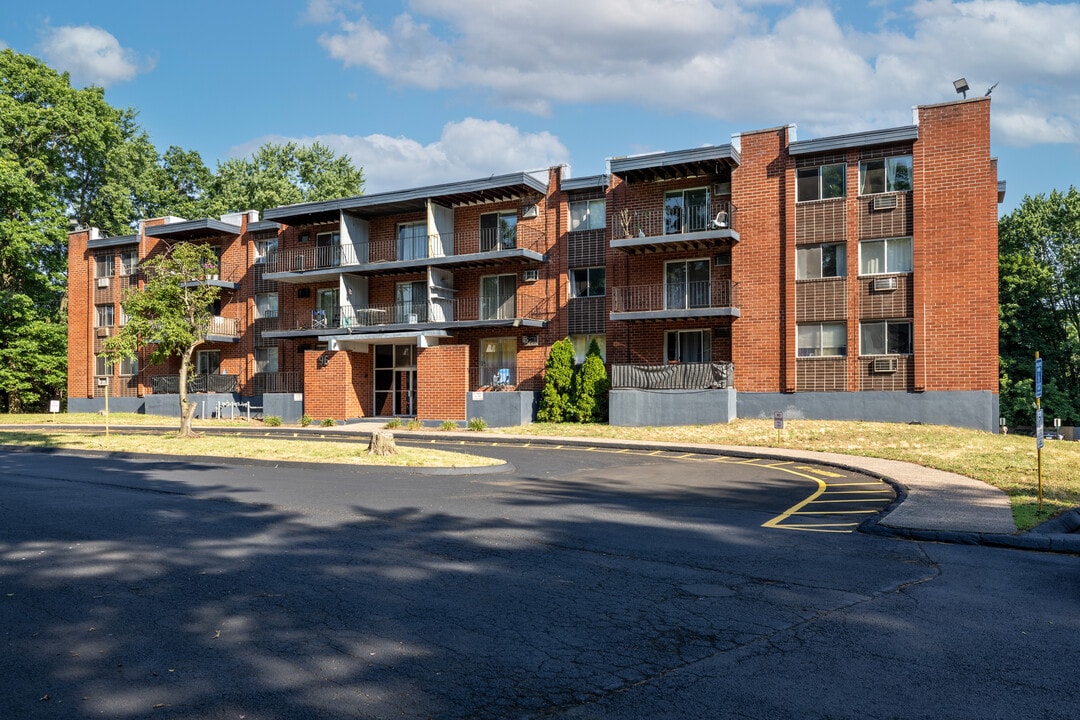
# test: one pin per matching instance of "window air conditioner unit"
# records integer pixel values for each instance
(102, 382)
(722, 188)
(530, 211)
(530, 275)
(883, 202)
(530, 340)
(885, 365)
(722, 259)
(103, 332)
(884, 284)
(103, 282)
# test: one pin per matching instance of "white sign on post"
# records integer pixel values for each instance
(778, 420)
(54, 406)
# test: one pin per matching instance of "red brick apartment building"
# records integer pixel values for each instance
(845, 277)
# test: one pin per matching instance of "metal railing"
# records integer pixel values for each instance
(673, 376)
(464, 242)
(675, 219)
(493, 376)
(223, 326)
(410, 313)
(277, 382)
(170, 384)
(674, 296)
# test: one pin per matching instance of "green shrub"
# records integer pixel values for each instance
(590, 388)
(328, 422)
(477, 424)
(306, 420)
(448, 425)
(272, 420)
(555, 404)
(415, 424)
(393, 424)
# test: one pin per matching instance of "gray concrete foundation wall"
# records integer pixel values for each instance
(169, 405)
(977, 410)
(284, 405)
(502, 408)
(630, 407)
(93, 405)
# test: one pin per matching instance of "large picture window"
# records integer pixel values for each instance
(821, 339)
(892, 255)
(587, 215)
(686, 211)
(581, 346)
(888, 337)
(498, 361)
(498, 231)
(687, 284)
(885, 175)
(412, 241)
(820, 183)
(266, 360)
(587, 282)
(688, 346)
(820, 261)
(266, 305)
(498, 297)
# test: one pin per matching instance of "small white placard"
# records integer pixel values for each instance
(477, 396)
(298, 397)
(778, 420)
(54, 406)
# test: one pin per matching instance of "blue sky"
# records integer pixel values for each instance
(426, 91)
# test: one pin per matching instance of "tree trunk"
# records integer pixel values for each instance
(382, 443)
(187, 409)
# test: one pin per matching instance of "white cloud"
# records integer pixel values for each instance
(467, 149)
(92, 55)
(746, 62)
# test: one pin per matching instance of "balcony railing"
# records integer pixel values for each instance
(674, 296)
(224, 327)
(664, 220)
(277, 382)
(673, 376)
(170, 384)
(489, 376)
(464, 242)
(410, 313)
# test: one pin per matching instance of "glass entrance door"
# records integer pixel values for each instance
(395, 380)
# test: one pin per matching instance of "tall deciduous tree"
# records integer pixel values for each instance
(284, 175)
(1039, 300)
(170, 314)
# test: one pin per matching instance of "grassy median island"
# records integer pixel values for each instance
(1007, 462)
(350, 450)
(1004, 461)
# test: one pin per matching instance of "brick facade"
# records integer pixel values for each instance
(744, 248)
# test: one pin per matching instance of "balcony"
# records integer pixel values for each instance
(674, 301)
(464, 248)
(277, 382)
(676, 376)
(675, 226)
(413, 316)
(223, 329)
(170, 384)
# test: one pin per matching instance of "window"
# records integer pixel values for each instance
(820, 183)
(885, 256)
(686, 211)
(885, 175)
(129, 262)
(105, 315)
(687, 346)
(581, 346)
(587, 282)
(328, 249)
(498, 297)
(129, 366)
(412, 241)
(587, 215)
(102, 366)
(821, 340)
(820, 261)
(498, 361)
(686, 284)
(123, 317)
(266, 305)
(103, 266)
(266, 251)
(208, 362)
(327, 308)
(266, 360)
(889, 337)
(412, 305)
(498, 231)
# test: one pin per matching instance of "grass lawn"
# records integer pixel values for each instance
(1004, 461)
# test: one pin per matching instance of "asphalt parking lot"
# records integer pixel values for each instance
(571, 583)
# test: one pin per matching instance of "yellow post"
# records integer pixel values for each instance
(106, 406)
(1038, 447)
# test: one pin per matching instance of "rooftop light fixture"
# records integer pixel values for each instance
(961, 86)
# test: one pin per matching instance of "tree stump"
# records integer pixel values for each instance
(382, 443)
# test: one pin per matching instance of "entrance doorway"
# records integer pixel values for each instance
(395, 380)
